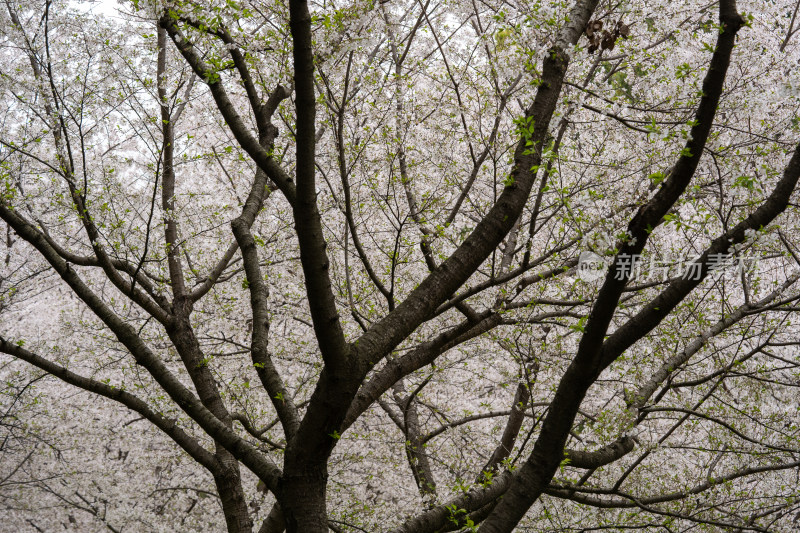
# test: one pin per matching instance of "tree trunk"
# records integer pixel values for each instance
(302, 500)
(229, 485)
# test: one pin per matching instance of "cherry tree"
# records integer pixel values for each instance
(409, 266)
